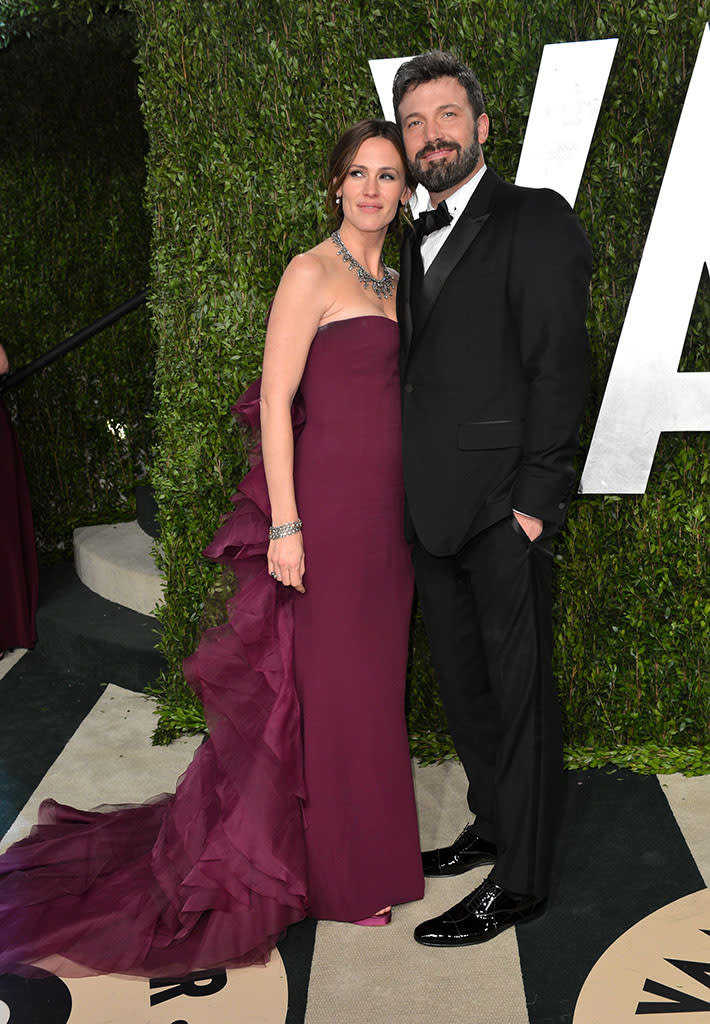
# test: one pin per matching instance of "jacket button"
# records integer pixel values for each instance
(408, 388)
(562, 505)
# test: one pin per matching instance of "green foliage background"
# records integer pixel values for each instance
(74, 243)
(241, 104)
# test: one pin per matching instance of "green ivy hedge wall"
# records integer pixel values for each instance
(74, 243)
(242, 103)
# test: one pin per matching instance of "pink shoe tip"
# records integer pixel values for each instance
(377, 919)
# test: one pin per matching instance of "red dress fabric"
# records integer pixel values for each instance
(301, 801)
(19, 585)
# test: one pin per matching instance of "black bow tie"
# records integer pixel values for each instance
(432, 220)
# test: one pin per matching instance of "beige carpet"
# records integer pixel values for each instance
(109, 759)
(689, 800)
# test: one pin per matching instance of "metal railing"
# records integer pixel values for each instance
(10, 380)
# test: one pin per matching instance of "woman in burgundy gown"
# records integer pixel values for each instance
(300, 803)
(18, 556)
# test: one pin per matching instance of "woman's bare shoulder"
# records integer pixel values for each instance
(313, 263)
(304, 289)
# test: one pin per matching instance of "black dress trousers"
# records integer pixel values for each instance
(487, 611)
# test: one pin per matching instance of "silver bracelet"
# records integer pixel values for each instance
(277, 532)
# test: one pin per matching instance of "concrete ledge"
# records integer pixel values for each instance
(115, 562)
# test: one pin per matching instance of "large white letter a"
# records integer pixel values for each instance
(645, 393)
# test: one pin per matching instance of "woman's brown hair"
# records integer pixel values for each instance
(344, 152)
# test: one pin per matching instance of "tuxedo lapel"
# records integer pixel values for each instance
(456, 245)
(409, 284)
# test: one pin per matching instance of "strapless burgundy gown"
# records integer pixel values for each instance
(300, 803)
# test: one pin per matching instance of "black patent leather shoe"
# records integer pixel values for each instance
(466, 852)
(480, 916)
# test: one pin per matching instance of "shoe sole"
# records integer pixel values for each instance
(375, 921)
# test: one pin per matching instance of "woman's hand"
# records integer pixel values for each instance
(287, 562)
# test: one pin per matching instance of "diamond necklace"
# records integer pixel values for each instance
(382, 287)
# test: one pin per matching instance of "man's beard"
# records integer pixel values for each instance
(448, 173)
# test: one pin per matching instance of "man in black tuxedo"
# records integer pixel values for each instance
(495, 362)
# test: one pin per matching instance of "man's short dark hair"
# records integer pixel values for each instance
(429, 66)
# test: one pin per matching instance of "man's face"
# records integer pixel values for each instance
(441, 135)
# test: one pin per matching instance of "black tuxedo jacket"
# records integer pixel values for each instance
(494, 365)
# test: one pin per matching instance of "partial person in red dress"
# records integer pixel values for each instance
(19, 586)
(301, 802)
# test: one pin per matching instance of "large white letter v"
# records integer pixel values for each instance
(645, 393)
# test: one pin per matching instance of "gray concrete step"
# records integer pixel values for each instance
(115, 561)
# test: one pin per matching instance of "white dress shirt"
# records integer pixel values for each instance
(432, 243)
